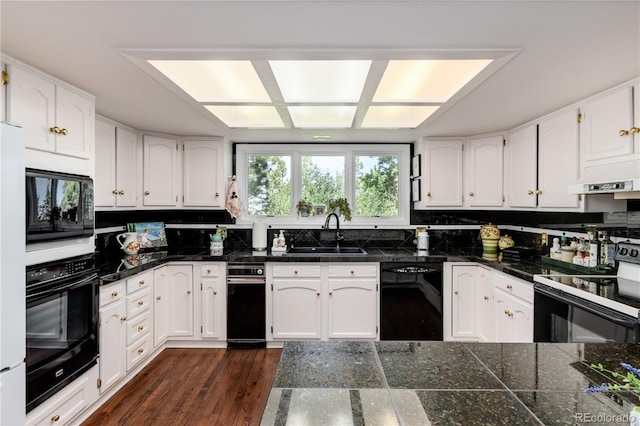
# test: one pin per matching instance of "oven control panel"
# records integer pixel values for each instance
(59, 269)
(628, 252)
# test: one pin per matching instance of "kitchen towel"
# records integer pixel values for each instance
(234, 203)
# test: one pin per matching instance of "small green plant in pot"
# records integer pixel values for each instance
(304, 208)
(341, 207)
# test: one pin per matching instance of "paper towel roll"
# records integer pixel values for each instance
(259, 236)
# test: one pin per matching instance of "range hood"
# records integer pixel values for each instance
(617, 176)
(611, 187)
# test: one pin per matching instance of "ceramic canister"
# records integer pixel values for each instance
(490, 235)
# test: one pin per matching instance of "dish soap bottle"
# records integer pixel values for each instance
(282, 242)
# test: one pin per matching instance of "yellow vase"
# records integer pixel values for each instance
(490, 235)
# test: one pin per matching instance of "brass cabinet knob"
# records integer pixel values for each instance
(217, 194)
(140, 303)
(121, 192)
(140, 350)
(635, 130)
(529, 192)
(123, 319)
(141, 282)
(330, 293)
(455, 292)
(55, 129)
(140, 328)
(506, 312)
(146, 193)
(471, 194)
(55, 418)
(539, 191)
(64, 132)
(208, 271)
(114, 294)
(188, 291)
(486, 298)
(295, 272)
(353, 272)
(623, 132)
(429, 194)
(509, 286)
(318, 293)
(215, 292)
(114, 192)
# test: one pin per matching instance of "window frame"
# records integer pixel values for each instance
(297, 150)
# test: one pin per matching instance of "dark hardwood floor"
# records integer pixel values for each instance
(195, 387)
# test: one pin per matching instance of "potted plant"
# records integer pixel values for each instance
(304, 208)
(341, 207)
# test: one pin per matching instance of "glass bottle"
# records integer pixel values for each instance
(608, 250)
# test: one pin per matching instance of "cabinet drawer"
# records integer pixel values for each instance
(138, 327)
(295, 271)
(111, 293)
(210, 270)
(138, 352)
(353, 270)
(142, 280)
(138, 302)
(515, 286)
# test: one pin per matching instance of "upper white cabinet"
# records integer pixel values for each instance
(521, 174)
(558, 161)
(116, 166)
(441, 174)
(483, 167)
(159, 171)
(56, 118)
(202, 173)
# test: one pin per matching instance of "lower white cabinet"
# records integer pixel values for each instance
(180, 300)
(68, 403)
(213, 298)
(112, 334)
(321, 302)
(513, 308)
(161, 283)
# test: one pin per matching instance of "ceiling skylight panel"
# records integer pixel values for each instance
(321, 81)
(426, 80)
(322, 116)
(215, 81)
(396, 116)
(247, 116)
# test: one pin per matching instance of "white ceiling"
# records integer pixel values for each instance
(565, 51)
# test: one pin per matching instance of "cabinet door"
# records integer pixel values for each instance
(514, 318)
(105, 188)
(484, 169)
(161, 282)
(32, 106)
(159, 172)
(352, 308)
(558, 161)
(113, 338)
(463, 302)
(502, 303)
(521, 173)
(213, 308)
(3, 94)
(75, 114)
(296, 308)
(202, 174)
(484, 303)
(126, 167)
(181, 300)
(442, 174)
(602, 121)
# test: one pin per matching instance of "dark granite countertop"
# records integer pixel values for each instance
(437, 383)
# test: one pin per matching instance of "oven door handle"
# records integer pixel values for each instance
(591, 307)
(67, 285)
(246, 280)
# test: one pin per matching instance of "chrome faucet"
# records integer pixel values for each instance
(339, 236)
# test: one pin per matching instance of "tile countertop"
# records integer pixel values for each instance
(421, 383)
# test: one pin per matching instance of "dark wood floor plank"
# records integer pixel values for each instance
(195, 387)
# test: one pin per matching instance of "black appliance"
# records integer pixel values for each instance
(246, 305)
(58, 206)
(61, 324)
(411, 301)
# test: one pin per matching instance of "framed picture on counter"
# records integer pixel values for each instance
(318, 210)
(415, 166)
(415, 190)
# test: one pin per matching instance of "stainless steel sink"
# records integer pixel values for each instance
(325, 251)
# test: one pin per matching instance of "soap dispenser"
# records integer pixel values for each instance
(281, 240)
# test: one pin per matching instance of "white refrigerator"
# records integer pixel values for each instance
(12, 277)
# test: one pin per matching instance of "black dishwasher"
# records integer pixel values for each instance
(246, 305)
(411, 301)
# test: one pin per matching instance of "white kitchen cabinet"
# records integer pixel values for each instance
(483, 171)
(352, 306)
(213, 301)
(139, 319)
(605, 126)
(56, 118)
(468, 308)
(441, 179)
(160, 171)
(513, 309)
(521, 168)
(161, 302)
(203, 173)
(180, 293)
(558, 161)
(116, 166)
(67, 404)
(112, 334)
(296, 301)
